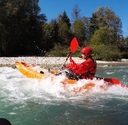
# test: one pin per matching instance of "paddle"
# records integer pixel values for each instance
(73, 47)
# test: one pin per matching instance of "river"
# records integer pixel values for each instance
(26, 101)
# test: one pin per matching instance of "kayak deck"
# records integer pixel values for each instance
(27, 71)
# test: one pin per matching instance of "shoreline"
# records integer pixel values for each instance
(47, 61)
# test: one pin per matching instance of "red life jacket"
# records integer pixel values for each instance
(85, 70)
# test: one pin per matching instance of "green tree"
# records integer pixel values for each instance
(79, 31)
(124, 47)
(49, 36)
(80, 26)
(86, 22)
(105, 17)
(64, 30)
(104, 45)
(63, 18)
(103, 35)
(22, 23)
(126, 41)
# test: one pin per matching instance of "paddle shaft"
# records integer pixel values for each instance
(66, 59)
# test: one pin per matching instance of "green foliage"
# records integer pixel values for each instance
(21, 23)
(61, 51)
(25, 32)
(63, 18)
(104, 45)
(48, 36)
(86, 22)
(58, 51)
(105, 17)
(64, 31)
(126, 41)
(108, 53)
(79, 30)
(124, 47)
(103, 35)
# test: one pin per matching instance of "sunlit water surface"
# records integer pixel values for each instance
(26, 101)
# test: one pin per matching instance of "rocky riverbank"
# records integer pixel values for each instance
(10, 61)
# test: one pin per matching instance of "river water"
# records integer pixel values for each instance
(26, 101)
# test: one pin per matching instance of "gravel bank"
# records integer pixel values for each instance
(10, 61)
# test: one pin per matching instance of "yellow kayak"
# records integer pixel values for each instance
(27, 70)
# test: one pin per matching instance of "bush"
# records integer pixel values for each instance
(107, 53)
(61, 51)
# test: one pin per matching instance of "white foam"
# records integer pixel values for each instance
(17, 88)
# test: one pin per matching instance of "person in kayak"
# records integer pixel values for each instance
(84, 70)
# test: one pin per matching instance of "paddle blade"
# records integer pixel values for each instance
(73, 45)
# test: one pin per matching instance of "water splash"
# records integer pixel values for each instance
(18, 89)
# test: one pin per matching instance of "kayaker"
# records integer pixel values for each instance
(84, 70)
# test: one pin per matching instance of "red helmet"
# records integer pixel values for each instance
(87, 51)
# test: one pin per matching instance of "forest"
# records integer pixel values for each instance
(25, 31)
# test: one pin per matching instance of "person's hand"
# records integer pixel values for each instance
(71, 60)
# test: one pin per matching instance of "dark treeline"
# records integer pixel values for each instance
(24, 31)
